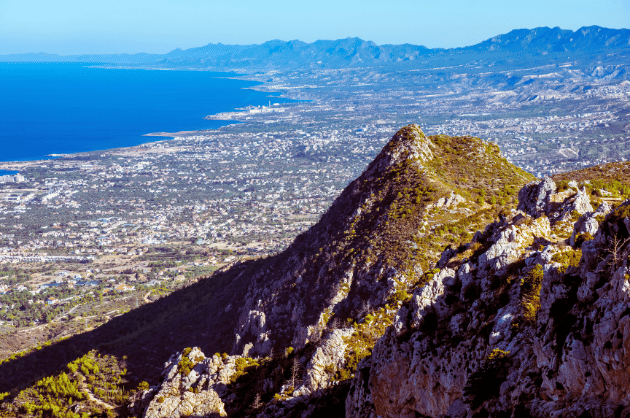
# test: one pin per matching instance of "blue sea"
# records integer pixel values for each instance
(65, 108)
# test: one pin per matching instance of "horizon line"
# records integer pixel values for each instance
(308, 43)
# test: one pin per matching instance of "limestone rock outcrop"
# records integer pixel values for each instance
(534, 197)
(542, 199)
(192, 386)
(328, 357)
(588, 224)
(520, 329)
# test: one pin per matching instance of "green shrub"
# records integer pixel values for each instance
(582, 238)
(430, 274)
(185, 366)
(530, 293)
(401, 295)
(575, 215)
(567, 259)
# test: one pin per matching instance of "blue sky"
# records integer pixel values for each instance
(158, 26)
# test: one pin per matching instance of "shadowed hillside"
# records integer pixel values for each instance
(148, 335)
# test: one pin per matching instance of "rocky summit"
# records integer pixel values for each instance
(443, 282)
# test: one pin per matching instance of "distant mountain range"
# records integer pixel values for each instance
(355, 52)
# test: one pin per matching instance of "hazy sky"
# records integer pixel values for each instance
(111, 26)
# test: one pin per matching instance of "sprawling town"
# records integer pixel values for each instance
(85, 237)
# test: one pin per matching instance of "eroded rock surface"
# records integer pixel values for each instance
(192, 386)
(520, 329)
(534, 198)
(328, 357)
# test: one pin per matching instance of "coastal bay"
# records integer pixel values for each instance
(68, 108)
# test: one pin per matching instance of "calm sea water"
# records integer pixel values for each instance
(64, 108)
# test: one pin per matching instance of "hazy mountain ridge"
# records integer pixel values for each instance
(355, 52)
(555, 40)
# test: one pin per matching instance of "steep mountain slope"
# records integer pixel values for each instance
(519, 324)
(381, 237)
(374, 241)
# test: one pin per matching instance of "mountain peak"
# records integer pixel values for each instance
(409, 143)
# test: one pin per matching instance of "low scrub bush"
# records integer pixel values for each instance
(530, 293)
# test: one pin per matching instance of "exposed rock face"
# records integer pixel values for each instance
(509, 240)
(196, 393)
(580, 203)
(328, 357)
(534, 197)
(511, 331)
(587, 224)
(427, 301)
(447, 202)
(541, 199)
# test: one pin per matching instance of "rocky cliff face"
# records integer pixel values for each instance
(519, 323)
(192, 386)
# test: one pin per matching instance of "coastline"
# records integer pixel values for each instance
(241, 75)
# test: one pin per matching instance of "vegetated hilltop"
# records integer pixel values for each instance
(324, 301)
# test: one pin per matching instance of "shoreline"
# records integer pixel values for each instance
(17, 165)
